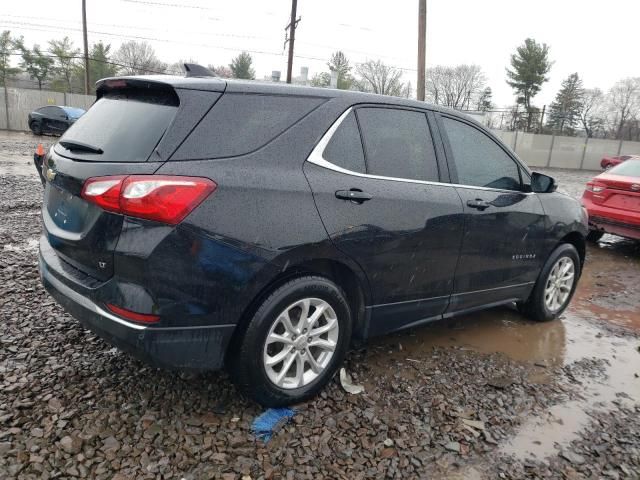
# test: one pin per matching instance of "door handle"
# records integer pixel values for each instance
(478, 204)
(355, 195)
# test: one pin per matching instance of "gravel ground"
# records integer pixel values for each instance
(447, 401)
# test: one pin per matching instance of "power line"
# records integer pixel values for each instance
(56, 28)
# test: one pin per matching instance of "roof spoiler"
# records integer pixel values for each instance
(195, 70)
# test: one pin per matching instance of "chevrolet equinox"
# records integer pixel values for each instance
(200, 223)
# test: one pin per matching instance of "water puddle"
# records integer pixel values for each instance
(602, 365)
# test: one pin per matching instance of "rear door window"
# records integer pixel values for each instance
(479, 160)
(240, 123)
(398, 143)
(345, 147)
(126, 127)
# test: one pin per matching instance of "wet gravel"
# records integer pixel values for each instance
(73, 406)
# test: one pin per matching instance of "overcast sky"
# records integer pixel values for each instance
(599, 40)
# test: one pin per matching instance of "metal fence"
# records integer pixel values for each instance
(537, 150)
(555, 151)
(17, 103)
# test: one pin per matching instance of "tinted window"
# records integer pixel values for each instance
(398, 143)
(345, 148)
(126, 128)
(630, 168)
(478, 159)
(241, 123)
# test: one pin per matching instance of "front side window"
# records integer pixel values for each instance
(345, 147)
(398, 143)
(478, 159)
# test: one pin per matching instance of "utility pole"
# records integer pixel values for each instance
(422, 47)
(292, 37)
(86, 47)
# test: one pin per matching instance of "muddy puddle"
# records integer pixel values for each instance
(608, 296)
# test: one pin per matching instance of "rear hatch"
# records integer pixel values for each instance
(119, 135)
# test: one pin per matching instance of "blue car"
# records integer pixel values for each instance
(53, 119)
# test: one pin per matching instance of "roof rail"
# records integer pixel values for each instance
(195, 70)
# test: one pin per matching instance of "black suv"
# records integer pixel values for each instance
(199, 223)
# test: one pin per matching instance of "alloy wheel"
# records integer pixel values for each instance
(559, 284)
(301, 343)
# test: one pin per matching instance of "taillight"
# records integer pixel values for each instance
(166, 199)
(135, 316)
(595, 188)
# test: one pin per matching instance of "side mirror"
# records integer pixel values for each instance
(541, 183)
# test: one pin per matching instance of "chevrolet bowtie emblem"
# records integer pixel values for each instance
(51, 174)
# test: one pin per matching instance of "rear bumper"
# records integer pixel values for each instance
(614, 227)
(188, 348)
(611, 220)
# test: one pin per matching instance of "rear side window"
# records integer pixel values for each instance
(398, 144)
(345, 147)
(478, 159)
(125, 126)
(241, 123)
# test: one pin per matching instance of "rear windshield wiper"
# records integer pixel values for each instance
(79, 146)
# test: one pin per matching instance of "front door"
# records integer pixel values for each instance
(380, 208)
(504, 223)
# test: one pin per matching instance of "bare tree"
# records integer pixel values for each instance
(456, 87)
(138, 58)
(590, 113)
(221, 71)
(376, 77)
(624, 99)
(66, 59)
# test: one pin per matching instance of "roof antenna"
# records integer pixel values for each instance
(195, 70)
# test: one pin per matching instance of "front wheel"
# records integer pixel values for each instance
(294, 343)
(36, 128)
(555, 286)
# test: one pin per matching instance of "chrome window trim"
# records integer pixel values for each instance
(316, 157)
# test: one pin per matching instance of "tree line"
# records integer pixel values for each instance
(576, 110)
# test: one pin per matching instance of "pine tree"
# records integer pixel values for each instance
(564, 112)
(340, 64)
(485, 100)
(529, 67)
(241, 67)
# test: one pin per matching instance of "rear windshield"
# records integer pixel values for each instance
(126, 127)
(630, 168)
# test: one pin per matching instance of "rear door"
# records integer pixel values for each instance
(381, 202)
(115, 137)
(504, 223)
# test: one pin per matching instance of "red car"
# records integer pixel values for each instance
(607, 162)
(613, 202)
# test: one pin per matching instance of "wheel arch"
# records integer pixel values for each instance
(354, 287)
(577, 240)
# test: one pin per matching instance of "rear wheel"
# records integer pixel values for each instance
(555, 286)
(594, 235)
(294, 343)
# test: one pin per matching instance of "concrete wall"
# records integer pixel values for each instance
(23, 101)
(564, 152)
(536, 150)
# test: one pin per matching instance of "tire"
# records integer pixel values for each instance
(36, 128)
(594, 235)
(249, 364)
(536, 307)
